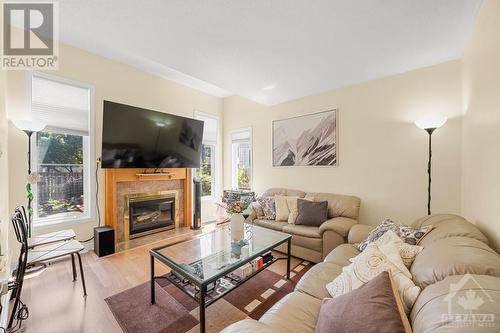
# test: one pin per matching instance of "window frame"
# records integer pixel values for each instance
(212, 161)
(89, 155)
(215, 152)
(234, 164)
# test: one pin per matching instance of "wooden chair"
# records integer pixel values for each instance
(36, 254)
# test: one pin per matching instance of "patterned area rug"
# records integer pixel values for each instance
(175, 312)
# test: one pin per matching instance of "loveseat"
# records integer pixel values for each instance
(458, 272)
(310, 242)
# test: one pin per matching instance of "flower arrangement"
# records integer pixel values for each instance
(237, 206)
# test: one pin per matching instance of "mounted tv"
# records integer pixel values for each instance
(133, 137)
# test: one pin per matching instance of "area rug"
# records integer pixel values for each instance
(175, 312)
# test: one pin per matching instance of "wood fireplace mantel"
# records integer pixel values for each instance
(114, 176)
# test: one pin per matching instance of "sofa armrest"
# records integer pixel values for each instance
(359, 232)
(248, 326)
(340, 225)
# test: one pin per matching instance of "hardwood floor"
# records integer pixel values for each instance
(56, 303)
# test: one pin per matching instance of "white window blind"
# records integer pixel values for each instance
(241, 135)
(209, 126)
(63, 107)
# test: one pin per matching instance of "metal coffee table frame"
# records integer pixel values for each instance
(201, 296)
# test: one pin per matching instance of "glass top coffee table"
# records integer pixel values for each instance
(204, 267)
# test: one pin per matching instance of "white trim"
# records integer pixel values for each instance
(234, 181)
(215, 153)
(89, 154)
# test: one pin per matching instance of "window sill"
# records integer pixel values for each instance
(61, 222)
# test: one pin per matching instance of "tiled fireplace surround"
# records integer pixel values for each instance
(122, 182)
(134, 187)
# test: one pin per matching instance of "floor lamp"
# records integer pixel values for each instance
(430, 124)
(29, 127)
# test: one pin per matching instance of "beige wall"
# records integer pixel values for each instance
(481, 125)
(383, 155)
(4, 176)
(112, 81)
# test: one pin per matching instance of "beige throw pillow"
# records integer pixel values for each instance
(285, 207)
(367, 265)
(407, 252)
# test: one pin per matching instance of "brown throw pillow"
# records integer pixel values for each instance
(311, 213)
(374, 307)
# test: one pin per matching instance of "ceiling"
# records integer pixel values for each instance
(270, 51)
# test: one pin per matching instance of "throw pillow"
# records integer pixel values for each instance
(268, 207)
(367, 265)
(378, 298)
(284, 206)
(311, 213)
(407, 252)
(408, 234)
(257, 209)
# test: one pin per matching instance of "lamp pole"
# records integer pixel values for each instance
(29, 127)
(430, 124)
(429, 170)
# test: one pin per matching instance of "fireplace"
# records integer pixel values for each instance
(148, 213)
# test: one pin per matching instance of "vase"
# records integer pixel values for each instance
(237, 227)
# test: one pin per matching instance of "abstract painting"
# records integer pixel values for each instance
(308, 140)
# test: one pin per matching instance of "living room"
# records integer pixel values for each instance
(312, 139)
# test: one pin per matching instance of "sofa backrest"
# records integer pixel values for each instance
(456, 259)
(283, 191)
(338, 205)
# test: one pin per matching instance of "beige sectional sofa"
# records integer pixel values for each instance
(314, 243)
(456, 268)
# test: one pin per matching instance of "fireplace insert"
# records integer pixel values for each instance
(150, 214)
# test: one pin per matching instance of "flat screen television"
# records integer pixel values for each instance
(133, 137)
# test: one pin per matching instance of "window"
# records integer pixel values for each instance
(241, 173)
(61, 154)
(207, 172)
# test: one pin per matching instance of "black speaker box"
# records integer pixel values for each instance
(104, 241)
(197, 204)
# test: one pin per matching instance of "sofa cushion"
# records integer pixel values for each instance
(377, 308)
(315, 280)
(315, 244)
(454, 256)
(407, 252)
(270, 224)
(408, 234)
(367, 265)
(338, 205)
(341, 254)
(302, 230)
(448, 225)
(431, 312)
(268, 207)
(283, 191)
(286, 206)
(249, 326)
(296, 312)
(311, 213)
